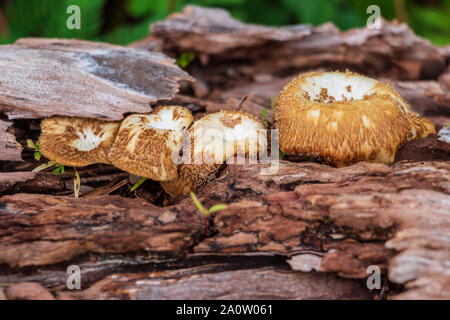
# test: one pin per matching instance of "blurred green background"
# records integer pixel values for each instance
(125, 21)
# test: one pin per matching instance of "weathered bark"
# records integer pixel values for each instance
(206, 283)
(39, 230)
(10, 149)
(393, 51)
(45, 77)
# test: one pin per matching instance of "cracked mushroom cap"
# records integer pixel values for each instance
(344, 118)
(77, 142)
(147, 145)
(212, 140)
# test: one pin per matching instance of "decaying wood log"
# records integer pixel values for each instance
(322, 218)
(45, 77)
(332, 214)
(393, 51)
(206, 283)
(38, 230)
(303, 231)
(10, 149)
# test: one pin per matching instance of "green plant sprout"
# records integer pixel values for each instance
(185, 59)
(283, 155)
(137, 184)
(59, 169)
(36, 147)
(206, 213)
(264, 116)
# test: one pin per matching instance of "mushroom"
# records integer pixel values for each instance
(77, 142)
(343, 117)
(148, 145)
(212, 140)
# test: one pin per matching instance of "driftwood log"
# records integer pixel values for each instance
(305, 231)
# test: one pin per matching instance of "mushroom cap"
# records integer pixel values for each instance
(77, 142)
(343, 117)
(148, 145)
(212, 140)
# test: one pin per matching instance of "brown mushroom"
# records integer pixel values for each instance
(147, 145)
(212, 140)
(344, 118)
(77, 142)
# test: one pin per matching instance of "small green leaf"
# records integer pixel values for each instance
(30, 144)
(59, 169)
(217, 207)
(37, 155)
(198, 204)
(137, 184)
(264, 114)
(38, 146)
(283, 155)
(185, 59)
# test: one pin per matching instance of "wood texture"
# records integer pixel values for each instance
(10, 149)
(392, 51)
(44, 77)
(39, 230)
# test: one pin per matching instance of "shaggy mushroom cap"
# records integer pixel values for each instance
(148, 145)
(212, 140)
(344, 118)
(77, 142)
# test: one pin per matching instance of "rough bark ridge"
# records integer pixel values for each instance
(303, 231)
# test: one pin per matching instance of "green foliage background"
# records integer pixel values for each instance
(125, 21)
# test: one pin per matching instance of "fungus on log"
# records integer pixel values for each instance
(344, 118)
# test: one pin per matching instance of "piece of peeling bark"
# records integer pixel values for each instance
(428, 98)
(45, 77)
(204, 282)
(28, 291)
(10, 149)
(10, 179)
(427, 149)
(216, 36)
(38, 229)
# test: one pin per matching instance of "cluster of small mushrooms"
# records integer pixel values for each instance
(165, 145)
(340, 117)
